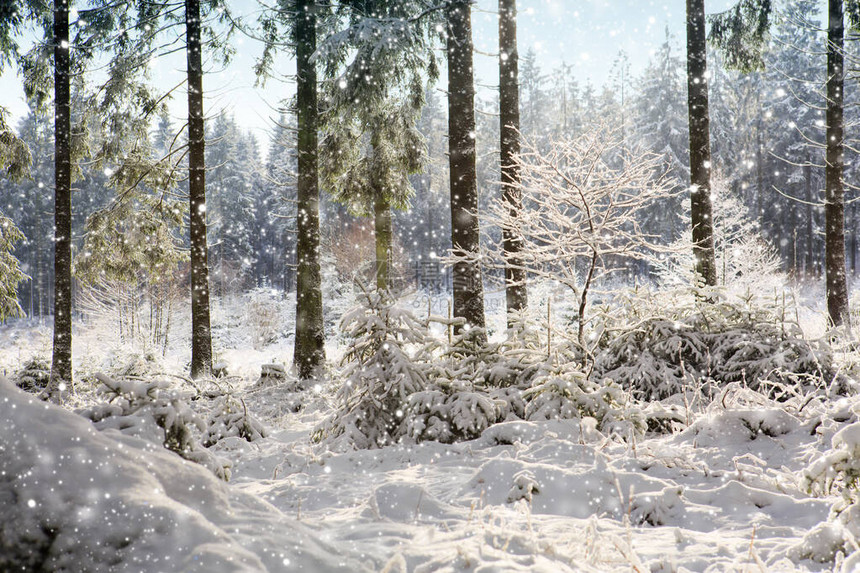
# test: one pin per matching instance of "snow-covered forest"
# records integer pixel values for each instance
(429, 317)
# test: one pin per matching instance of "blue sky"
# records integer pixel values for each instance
(587, 34)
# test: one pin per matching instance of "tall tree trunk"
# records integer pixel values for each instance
(810, 237)
(852, 224)
(834, 201)
(61, 362)
(201, 336)
(465, 232)
(382, 234)
(309, 354)
(701, 209)
(759, 161)
(516, 293)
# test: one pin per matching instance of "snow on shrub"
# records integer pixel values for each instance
(472, 385)
(834, 539)
(452, 413)
(230, 418)
(35, 375)
(152, 410)
(564, 392)
(839, 466)
(379, 374)
(662, 343)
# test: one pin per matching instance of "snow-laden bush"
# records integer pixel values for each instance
(661, 343)
(832, 540)
(452, 413)
(564, 391)
(840, 466)
(35, 375)
(230, 418)
(379, 374)
(135, 364)
(472, 384)
(152, 410)
(403, 381)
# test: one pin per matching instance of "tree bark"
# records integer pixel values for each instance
(309, 353)
(834, 201)
(465, 232)
(61, 362)
(382, 234)
(701, 209)
(516, 293)
(201, 336)
(852, 224)
(810, 237)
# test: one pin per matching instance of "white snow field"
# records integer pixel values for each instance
(726, 494)
(744, 484)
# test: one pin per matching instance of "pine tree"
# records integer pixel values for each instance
(303, 18)
(275, 204)
(566, 94)
(309, 354)
(425, 230)
(373, 104)
(465, 232)
(201, 335)
(660, 126)
(232, 223)
(834, 210)
(516, 294)
(534, 100)
(700, 147)
(794, 131)
(61, 361)
(10, 271)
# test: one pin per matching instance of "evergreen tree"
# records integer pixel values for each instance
(201, 335)
(566, 94)
(373, 103)
(794, 131)
(309, 353)
(701, 210)
(516, 294)
(425, 230)
(465, 232)
(534, 99)
(275, 204)
(834, 200)
(231, 215)
(660, 127)
(10, 271)
(61, 360)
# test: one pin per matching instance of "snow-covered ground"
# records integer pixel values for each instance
(728, 493)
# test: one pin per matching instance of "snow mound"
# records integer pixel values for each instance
(75, 499)
(405, 502)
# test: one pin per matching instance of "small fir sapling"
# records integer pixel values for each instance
(475, 384)
(35, 375)
(229, 417)
(379, 374)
